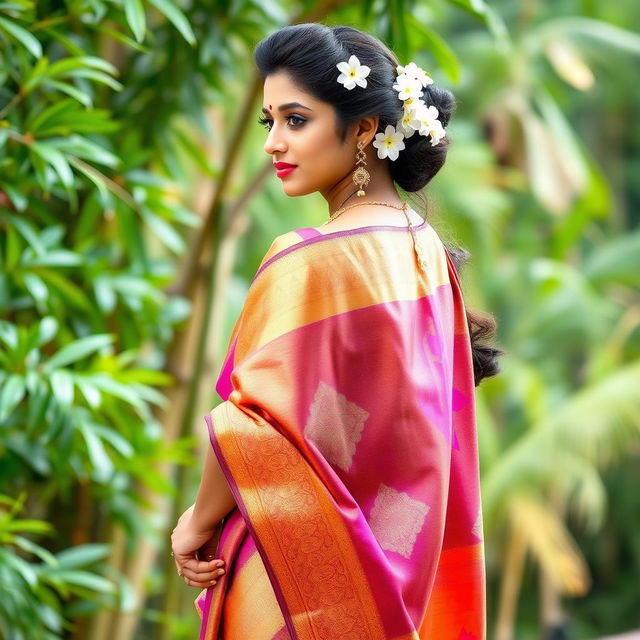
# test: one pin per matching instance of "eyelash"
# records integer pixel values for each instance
(264, 121)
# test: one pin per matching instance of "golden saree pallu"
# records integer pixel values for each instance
(347, 434)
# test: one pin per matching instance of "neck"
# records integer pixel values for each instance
(380, 188)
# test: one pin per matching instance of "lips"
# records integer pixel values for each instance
(283, 165)
(283, 168)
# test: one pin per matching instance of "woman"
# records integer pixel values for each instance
(344, 460)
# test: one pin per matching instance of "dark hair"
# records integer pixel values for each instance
(308, 53)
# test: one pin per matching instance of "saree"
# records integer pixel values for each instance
(347, 435)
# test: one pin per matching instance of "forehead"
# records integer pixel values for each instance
(280, 88)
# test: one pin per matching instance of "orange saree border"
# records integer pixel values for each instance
(304, 510)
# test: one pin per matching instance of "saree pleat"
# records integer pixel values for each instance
(347, 435)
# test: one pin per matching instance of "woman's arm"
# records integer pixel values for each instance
(196, 527)
(214, 499)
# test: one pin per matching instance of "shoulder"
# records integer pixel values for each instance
(286, 240)
(277, 244)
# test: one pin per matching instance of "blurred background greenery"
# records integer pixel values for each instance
(136, 202)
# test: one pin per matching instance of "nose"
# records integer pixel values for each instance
(275, 141)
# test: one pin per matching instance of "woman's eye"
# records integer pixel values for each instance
(267, 122)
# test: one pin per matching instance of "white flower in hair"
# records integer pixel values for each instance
(389, 143)
(427, 124)
(414, 71)
(408, 116)
(353, 73)
(407, 87)
(413, 103)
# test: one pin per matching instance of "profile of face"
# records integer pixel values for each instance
(302, 132)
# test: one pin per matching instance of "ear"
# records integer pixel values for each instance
(366, 129)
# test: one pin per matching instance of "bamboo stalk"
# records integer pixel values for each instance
(510, 585)
(100, 628)
(552, 616)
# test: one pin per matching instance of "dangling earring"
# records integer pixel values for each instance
(361, 175)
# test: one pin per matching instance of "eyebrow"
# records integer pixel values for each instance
(288, 105)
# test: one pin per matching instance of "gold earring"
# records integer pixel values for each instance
(361, 175)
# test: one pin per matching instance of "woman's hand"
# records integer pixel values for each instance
(185, 542)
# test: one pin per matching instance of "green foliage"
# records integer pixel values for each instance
(88, 240)
(35, 582)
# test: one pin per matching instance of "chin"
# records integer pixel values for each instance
(293, 190)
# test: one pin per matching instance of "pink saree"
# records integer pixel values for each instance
(347, 436)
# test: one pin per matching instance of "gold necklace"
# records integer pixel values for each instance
(416, 247)
(335, 214)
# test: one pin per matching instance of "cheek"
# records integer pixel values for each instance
(323, 151)
(311, 141)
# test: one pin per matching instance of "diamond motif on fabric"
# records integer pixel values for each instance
(477, 525)
(396, 519)
(335, 425)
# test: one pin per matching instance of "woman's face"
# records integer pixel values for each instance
(304, 135)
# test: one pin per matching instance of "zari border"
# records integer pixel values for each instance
(227, 440)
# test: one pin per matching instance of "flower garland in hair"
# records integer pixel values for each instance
(416, 116)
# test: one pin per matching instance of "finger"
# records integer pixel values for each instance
(202, 577)
(202, 566)
(200, 585)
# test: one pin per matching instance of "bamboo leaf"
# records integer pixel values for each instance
(120, 444)
(69, 89)
(85, 148)
(52, 155)
(47, 329)
(78, 350)
(62, 387)
(62, 67)
(169, 236)
(69, 290)
(36, 75)
(120, 37)
(82, 556)
(36, 287)
(134, 14)
(9, 334)
(26, 39)
(28, 525)
(100, 461)
(176, 17)
(27, 231)
(23, 568)
(58, 258)
(94, 74)
(112, 387)
(84, 579)
(36, 550)
(91, 394)
(11, 394)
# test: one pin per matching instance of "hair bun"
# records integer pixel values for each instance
(419, 161)
(442, 100)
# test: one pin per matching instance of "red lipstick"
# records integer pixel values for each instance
(283, 168)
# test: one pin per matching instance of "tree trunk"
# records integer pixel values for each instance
(510, 585)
